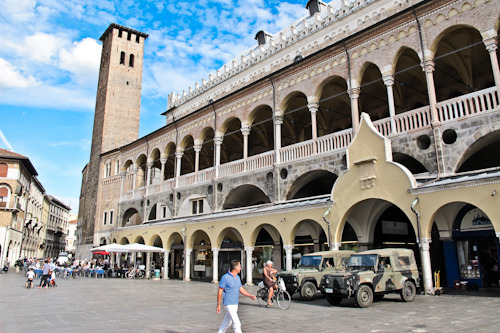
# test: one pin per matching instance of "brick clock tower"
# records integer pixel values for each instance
(116, 119)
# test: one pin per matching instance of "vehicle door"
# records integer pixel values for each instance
(384, 277)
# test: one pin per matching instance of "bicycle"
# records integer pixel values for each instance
(135, 273)
(281, 296)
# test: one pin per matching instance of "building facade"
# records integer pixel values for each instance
(28, 215)
(71, 239)
(366, 124)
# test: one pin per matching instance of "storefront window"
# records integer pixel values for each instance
(468, 259)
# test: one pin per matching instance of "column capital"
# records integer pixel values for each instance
(425, 243)
(313, 107)
(249, 248)
(428, 65)
(179, 153)
(149, 164)
(278, 119)
(197, 148)
(245, 130)
(288, 247)
(218, 140)
(388, 80)
(123, 174)
(188, 251)
(491, 44)
(215, 249)
(354, 93)
(163, 160)
(336, 246)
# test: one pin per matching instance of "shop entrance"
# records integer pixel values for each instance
(477, 249)
(225, 257)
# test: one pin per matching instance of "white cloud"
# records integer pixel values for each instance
(82, 60)
(12, 78)
(18, 10)
(42, 47)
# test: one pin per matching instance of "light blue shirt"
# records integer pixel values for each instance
(231, 285)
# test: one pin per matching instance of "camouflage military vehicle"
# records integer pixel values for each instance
(372, 274)
(306, 278)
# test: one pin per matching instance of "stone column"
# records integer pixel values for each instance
(389, 83)
(249, 267)
(428, 68)
(245, 130)
(354, 95)
(163, 160)
(148, 264)
(178, 157)
(165, 264)
(134, 172)
(187, 266)
(313, 107)
(278, 121)
(288, 252)
(219, 137)
(426, 266)
(215, 265)
(197, 149)
(492, 46)
(149, 166)
(122, 184)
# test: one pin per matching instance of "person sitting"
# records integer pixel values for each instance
(270, 280)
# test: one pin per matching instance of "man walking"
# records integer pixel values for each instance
(230, 286)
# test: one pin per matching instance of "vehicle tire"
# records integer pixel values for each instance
(129, 275)
(408, 292)
(364, 296)
(283, 299)
(333, 300)
(141, 274)
(262, 297)
(308, 291)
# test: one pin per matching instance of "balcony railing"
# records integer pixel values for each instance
(449, 110)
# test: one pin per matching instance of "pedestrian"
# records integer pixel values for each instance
(230, 287)
(44, 281)
(31, 276)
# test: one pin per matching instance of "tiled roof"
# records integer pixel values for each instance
(8, 153)
(23, 159)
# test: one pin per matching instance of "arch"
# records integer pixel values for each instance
(410, 86)
(245, 195)
(271, 230)
(199, 239)
(131, 217)
(169, 154)
(261, 137)
(334, 112)
(373, 93)
(139, 239)
(128, 164)
(409, 162)
(232, 145)
(188, 156)
(124, 241)
(229, 238)
(310, 235)
(481, 154)
(462, 63)
(313, 183)
(207, 148)
(296, 125)
(175, 238)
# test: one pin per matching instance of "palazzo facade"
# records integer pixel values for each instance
(366, 124)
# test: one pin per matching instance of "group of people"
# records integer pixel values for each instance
(229, 289)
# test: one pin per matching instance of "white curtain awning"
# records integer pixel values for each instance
(110, 248)
(136, 247)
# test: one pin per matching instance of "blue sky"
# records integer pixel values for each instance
(49, 63)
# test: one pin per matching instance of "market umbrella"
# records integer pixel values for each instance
(110, 248)
(136, 247)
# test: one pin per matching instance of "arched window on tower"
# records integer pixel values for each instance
(131, 61)
(4, 196)
(122, 58)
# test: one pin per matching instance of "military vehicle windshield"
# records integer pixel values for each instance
(310, 261)
(362, 262)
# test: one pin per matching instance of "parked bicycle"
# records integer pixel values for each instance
(281, 296)
(135, 273)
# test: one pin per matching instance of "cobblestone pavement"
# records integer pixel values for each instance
(172, 306)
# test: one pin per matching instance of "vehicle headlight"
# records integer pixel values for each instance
(327, 281)
(348, 282)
